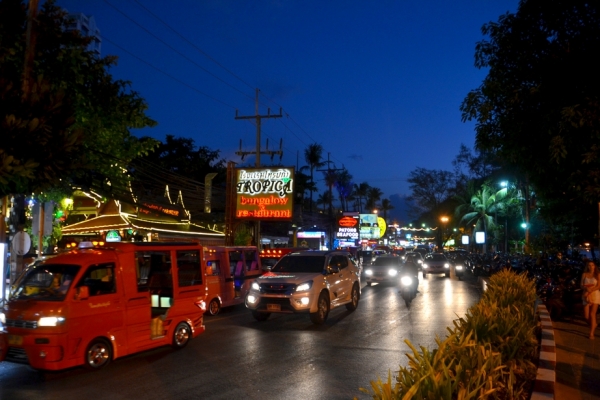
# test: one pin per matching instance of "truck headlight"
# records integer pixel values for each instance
(406, 280)
(304, 286)
(369, 272)
(392, 272)
(255, 286)
(50, 321)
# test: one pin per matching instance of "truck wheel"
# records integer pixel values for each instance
(181, 335)
(260, 316)
(214, 307)
(354, 299)
(98, 354)
(320, 316)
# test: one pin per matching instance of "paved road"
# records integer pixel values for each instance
(285, 357)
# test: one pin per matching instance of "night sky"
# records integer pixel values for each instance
(377, 83)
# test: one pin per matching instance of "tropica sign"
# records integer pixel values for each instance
(264, 193)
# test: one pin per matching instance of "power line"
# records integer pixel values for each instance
(166, 73)
(175, 50)
(194, 45)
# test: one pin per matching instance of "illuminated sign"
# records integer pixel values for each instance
(348, 228)
(465, 239)
(310, 235)
(113, 236)
(348, 222)
(479, 237)
(162, 209)
(369, 227)
(382, 226)
(264, 193)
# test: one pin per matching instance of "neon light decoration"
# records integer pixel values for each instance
(264, 193)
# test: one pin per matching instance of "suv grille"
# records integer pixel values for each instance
(17, 323)
(17, 355)
(277, 288)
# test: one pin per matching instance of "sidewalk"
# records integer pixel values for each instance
(577, 360)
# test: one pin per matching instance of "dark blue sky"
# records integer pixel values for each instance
(377, 83)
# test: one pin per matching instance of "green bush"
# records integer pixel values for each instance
(488, 354)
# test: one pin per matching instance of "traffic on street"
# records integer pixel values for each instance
(285, 356)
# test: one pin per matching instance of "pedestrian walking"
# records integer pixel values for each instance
(590, 282)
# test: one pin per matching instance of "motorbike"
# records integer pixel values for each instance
(408, 288)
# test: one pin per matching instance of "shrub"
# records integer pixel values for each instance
(487, 354)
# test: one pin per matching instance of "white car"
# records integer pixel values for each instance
(311, 282)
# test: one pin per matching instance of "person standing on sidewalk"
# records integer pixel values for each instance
(590, 282)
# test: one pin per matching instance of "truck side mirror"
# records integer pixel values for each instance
(83, 293)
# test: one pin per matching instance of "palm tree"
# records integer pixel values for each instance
(344, 186)
(386, 205)
(373, 196)
(313, 156)
(330, 176)
(361, 191)
(324, 199)
(479, 211)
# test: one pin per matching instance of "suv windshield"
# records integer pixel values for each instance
(393, 261)
(46, 282)
(312, 264)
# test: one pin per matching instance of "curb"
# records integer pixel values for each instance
(546, 373)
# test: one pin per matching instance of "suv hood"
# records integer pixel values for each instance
(288, 277)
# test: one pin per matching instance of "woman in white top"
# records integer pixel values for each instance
(590, 282)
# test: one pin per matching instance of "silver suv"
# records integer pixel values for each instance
(311, 282)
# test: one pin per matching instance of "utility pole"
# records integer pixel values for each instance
(329, 170)
(258, 118)
(258, 152)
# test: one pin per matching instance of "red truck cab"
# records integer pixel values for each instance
(94, 304)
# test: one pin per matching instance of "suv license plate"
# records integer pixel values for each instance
(273, 307)
(15, 340)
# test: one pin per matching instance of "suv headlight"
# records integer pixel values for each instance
(392, 272)
(304, 286)
(446, 265)
(425, 265)
(50, 321)
(368, 272)
(458, 267)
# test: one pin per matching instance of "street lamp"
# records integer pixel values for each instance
(444, 220)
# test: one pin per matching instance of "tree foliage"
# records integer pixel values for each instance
(430, 188)
(73, 126)
(539, 106)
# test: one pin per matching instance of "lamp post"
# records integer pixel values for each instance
(444, 220)
(504, 184)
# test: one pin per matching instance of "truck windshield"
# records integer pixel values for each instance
(46, 282)
(313, 264)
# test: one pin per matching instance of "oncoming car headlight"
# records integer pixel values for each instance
(304, 286)
(369, 272)
(406, 280)
(392, 272)
(425, 265)
(446, 265)
(458, 267)
(50, 321)
(255, 286)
